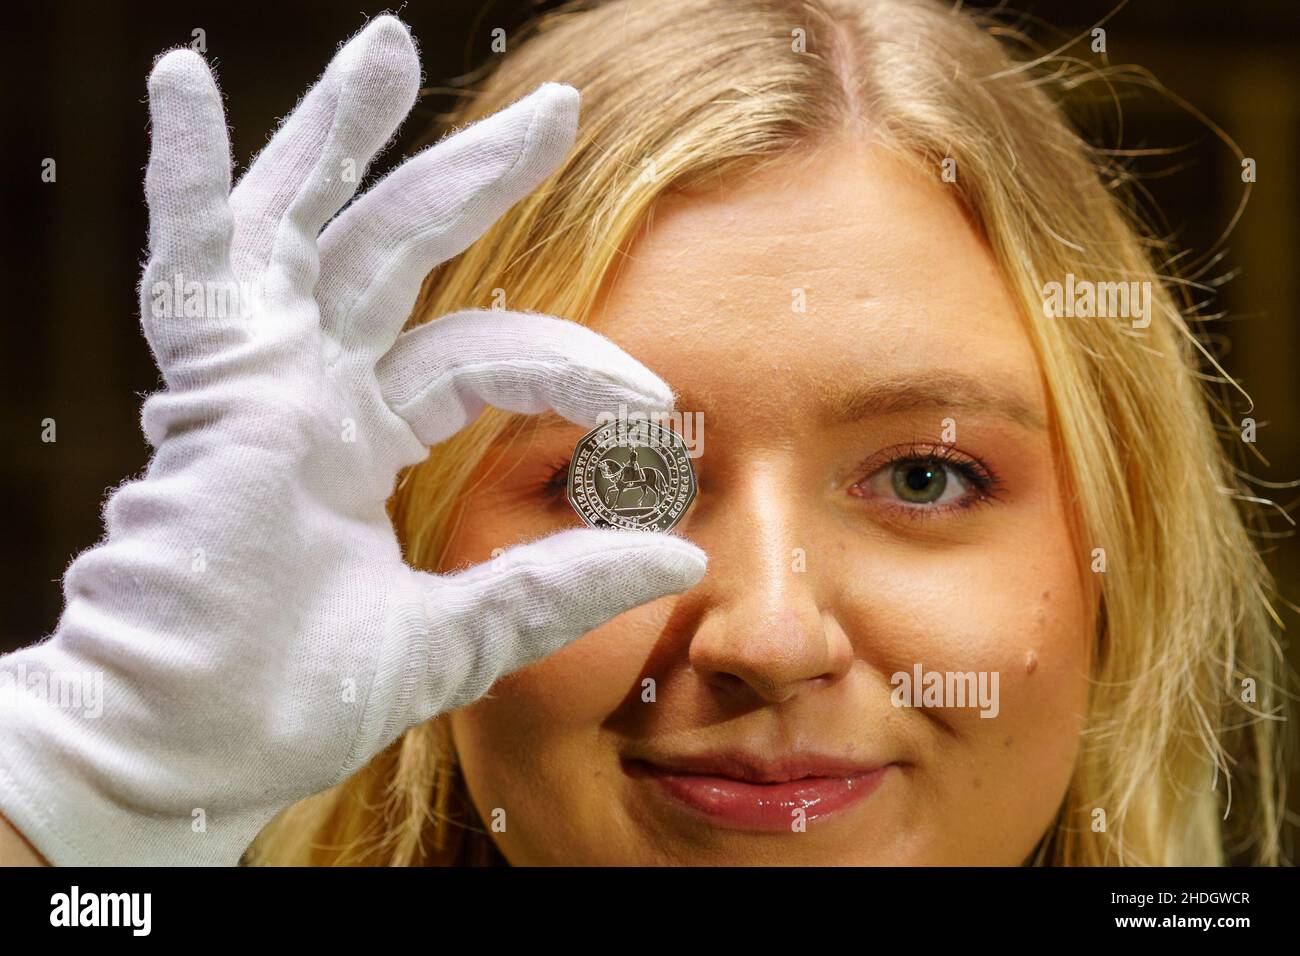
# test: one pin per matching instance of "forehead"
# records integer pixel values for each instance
(845, 266)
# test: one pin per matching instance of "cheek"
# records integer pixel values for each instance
(539, 744)
(1023, 621)
(1015, 606)
(574, 689)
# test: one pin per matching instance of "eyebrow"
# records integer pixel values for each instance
(941, 389)
(949, 389)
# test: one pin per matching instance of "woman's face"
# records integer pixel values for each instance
(877, 497)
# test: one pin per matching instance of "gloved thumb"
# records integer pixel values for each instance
(477, 625)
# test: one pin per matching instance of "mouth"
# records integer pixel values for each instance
(741, 792)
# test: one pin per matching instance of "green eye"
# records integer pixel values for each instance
(919, 482)
(930, 481)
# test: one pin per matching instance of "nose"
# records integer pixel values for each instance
(761, 630)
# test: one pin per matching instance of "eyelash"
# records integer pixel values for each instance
(984, 485)
(556, 482)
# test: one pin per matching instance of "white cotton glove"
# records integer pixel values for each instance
(248, 615)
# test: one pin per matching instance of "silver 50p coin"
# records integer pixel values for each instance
(631, 473)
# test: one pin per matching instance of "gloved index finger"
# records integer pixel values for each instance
(439, 376)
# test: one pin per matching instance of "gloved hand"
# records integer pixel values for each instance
(258, 636)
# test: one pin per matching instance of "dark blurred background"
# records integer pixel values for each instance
(74, 90)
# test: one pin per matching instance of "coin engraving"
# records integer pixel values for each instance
(631, 474)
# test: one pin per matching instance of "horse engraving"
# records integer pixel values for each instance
(632, 476)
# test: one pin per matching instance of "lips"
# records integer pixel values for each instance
(742, 792)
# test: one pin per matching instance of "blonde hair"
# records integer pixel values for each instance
(709, 90)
